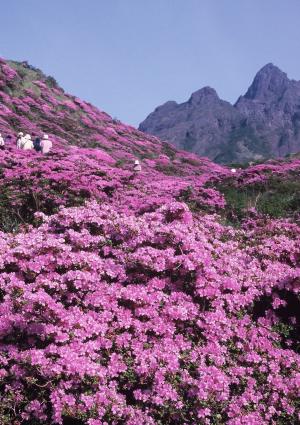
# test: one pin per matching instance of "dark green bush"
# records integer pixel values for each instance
(277, 198)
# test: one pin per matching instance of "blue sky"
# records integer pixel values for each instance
(129, 56)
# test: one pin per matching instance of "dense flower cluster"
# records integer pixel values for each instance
(260, 173)
(68, 176)
(154, 319)
(128, 299)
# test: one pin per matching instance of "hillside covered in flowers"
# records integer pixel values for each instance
(169, 296)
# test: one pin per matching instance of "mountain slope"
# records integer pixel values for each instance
(92, 157)
(169, 296)
(33, 102)
(263, 123)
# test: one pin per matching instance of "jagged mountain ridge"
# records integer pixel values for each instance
(263, 123)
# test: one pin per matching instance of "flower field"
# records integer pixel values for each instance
(165, 297)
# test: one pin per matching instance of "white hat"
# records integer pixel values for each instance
(27, 136)
(45, 136)
(20, 134)
(137, 162)
(233, 170)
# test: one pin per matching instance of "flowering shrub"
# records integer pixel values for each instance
(9, 73)
(110, 317)
(272, 189)
(124, 298)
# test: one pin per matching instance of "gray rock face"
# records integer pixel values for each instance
(263, 123)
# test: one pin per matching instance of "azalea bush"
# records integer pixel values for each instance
(112, 318)
(272, 189)
(129, 298)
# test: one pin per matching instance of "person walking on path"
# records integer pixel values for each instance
(46, 144)
(137, 166)
(2, 143)
(19, 139)
(37, 144)
(8, 139)
(26, 143)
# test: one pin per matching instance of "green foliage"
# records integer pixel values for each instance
(283, 329)
(18, 207)
(9, 218)
(120, 163)
(51, 82)
(169, 150)
(92, 144)
(276, 198)
(146, 155)
(168, 169)
(187, 195)
(191, 161)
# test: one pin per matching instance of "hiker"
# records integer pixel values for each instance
(137, 166)
(26, 143)
(37, 144)
(46, 144)
(19, 139)
(8, 139)
(2, 143)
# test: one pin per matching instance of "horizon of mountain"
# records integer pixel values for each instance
(264, 123)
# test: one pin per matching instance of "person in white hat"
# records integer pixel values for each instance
(137, 166)
(26, 143)
(19, 138)
(46, 144)
(1, 142)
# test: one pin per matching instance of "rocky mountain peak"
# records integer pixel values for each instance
(169, 105)
(263, 123)
(270, 81)
(203, 95)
